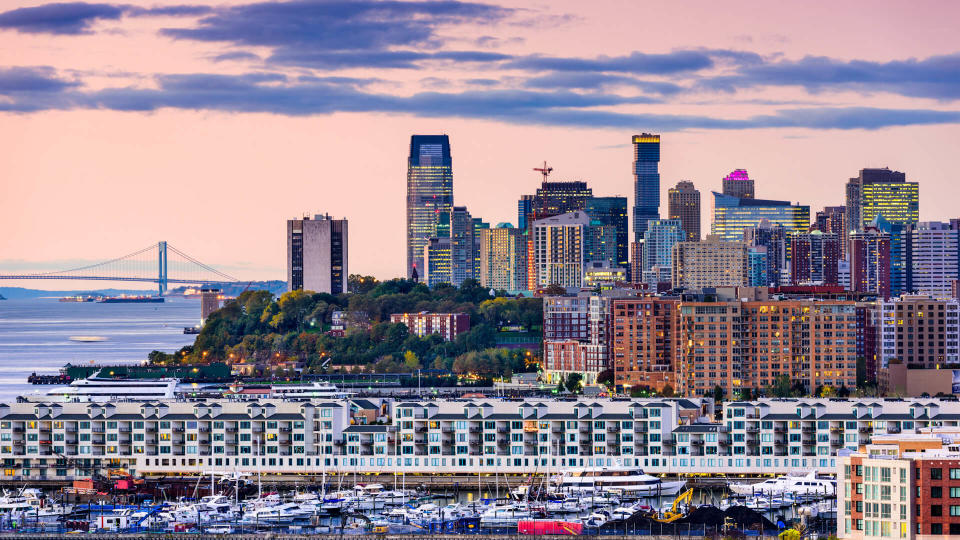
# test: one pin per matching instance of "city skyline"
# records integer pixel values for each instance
(88, 129)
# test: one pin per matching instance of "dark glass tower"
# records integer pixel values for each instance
(429, 193)
(646, 173)
(612, 212)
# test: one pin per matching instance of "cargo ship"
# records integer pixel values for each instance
(131, 300)
(78, 298)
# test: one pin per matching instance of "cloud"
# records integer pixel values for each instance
(26, 80)
(338, 34)
(636, 62)
(598, 81)
(236, 56)
(278, 94)
(64, 18)
(79, 17)
(936, 77)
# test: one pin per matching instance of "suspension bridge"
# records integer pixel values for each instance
(159, 263)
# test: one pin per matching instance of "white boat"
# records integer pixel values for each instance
(503, 516)
(314, 390)
(87, 339)
(99, 389)
(268, 516)
(631, 482)
(795, 485)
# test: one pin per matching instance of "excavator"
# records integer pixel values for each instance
(674, 513)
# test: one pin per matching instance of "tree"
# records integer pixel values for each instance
(781, 386)
(574, 383)
(359, 284)
(667, 391)
(561, 385)
(717, 394)
(411, 361)
(605, 377)
(827, 392)
(843, 391)
(746, 394)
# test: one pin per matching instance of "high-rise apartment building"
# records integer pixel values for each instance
(738, 184)
(646, 175)
(524, 210)
(814, 258)
(869, 252)
(832, 219)
(612, 212)
(559, 249)
(503, 258)
(732, 215)
(317, 254)
(644, 334)
(774, 240)
(748, 344)
(551, 199)
(575, 336)
(437, 261)
(429, 193)
(683, 203)
(658, 241)
(636, 261)
(757, 266)
(463, 247)
(932, 255)
(919, 331)
(711, 263)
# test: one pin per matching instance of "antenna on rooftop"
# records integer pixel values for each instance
(545, 170)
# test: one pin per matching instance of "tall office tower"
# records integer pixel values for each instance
(870, 262)
(636, 262)
(738, 184)
(658, 241)
(757, 266)
(524, 210)
(683, 203)
(933, 250)
(317, 254)
(646, 175)
(479, 225)
(463, 248)
(732, 215)
(774, 239)
(612, 212)
(899, 265)
(503, 258)
(881, 191)
(814, 258)
(429, 193)
(711, 263)
(600, 244)
(558, 249)
(643, 350)
(437, 261)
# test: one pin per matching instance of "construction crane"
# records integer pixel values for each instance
(674, 513)
(545, 170)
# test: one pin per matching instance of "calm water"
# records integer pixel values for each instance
(34, 335)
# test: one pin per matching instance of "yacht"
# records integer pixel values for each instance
(102, 389)
(314, 390)
(629, 482)
(795, 485)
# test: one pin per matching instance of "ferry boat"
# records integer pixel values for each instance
(629, 482)
(796, 485)
(106, 389)
(314, 390)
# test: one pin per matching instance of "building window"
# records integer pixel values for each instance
(936, 473)
(936, 510)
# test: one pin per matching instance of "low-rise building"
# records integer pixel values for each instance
(448, 325)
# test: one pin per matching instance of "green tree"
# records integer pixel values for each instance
(561, 384)
(411, 361)
(781, 386)
(717, 394)
(574, 383)
(667, 391)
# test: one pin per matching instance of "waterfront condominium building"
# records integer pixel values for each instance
(646, 177)
(732, 215)
(932, 255)
(559, 249)
(503, 258)
(814, 258)
(919, 331)
(658, 241)
(738, 184)
(446, 325)
(429, 193)
(870, 261)
(643, 344)
(683, 203)
(317, 254)
(748, 344)
(612, 212)
(711, 263)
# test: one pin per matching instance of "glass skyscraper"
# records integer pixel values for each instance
(612, 212)
(646, 173)
(731, 215)
(429, 193)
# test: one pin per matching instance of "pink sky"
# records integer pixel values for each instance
(82, 182)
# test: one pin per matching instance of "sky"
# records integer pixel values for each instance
(208, 124)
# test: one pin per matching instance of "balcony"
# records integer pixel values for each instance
(753, 429)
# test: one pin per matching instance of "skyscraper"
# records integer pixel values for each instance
(559, 249)
(646, 173)
(429, 193)
(773, 238)
(732, 215)
(658, 242)
(933, 253)
(612, 212)
(463, 248)
(437, 261)
(683, 203)
(738, 184)
(884, 192)
(524, 210)
(503, 258)
(317, 254)
(870, 261)
(551, 199)
(814, 257)
(711, 263)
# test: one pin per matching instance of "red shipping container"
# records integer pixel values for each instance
(548, 526)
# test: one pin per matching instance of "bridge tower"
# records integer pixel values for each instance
(162, 263)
